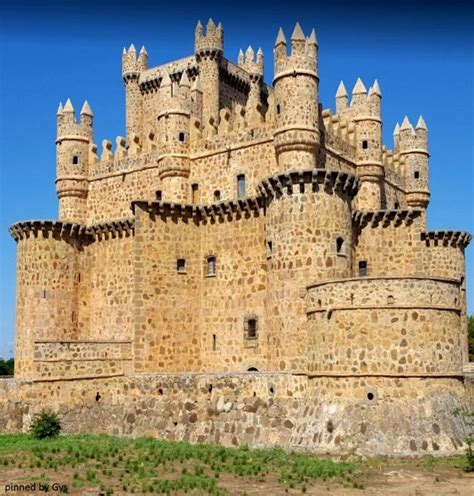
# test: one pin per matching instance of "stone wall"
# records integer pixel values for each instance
(386, 326)
(367, 415)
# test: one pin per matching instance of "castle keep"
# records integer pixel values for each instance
(244, 265)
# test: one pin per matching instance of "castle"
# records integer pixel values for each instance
(240, 227)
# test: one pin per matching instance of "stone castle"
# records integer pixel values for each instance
(243, 266)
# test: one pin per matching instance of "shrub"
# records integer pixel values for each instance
(45, 425)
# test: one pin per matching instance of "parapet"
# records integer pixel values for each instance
(210, 42)
(132, 65)
(331, 181)
(303, 56)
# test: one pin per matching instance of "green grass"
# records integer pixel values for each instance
(146, 465)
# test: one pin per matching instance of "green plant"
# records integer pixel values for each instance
(468, 418)
(45, 425)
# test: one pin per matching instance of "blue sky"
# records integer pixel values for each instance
(421, 53)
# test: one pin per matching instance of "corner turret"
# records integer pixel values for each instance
(72, 161)
(208, 49)
(413, 148)
(296, 81)
(173, 129)
(132, 67)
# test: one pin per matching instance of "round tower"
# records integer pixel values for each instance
(296, 81)
(309, 238)
(132, 67)
(366, 114)
(72, 161)
(173, 149)
(209, 48)
(413, 146)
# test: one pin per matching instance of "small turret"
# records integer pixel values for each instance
(413, 149)
(132, 67)
(72, 161)
(396, 137)
(359, 94)
(296, 81)
(208, 49)
(342, 99)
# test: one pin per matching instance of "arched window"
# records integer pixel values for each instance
(211, 266)
(340, 246)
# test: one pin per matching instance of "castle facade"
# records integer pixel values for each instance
(241, 230)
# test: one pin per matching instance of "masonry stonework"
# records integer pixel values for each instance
(244, 266)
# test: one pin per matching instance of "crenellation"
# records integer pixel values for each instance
(238, 235)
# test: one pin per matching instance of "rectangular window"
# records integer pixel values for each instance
(75, 160)
(362, 268)
(194, 194)
(214, 342)
(211, 266)
(181, 266)
(241, 188)
(417, 175)
(252, 328)
(158, 195)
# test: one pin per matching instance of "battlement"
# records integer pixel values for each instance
(210, 42)
(411, 140)
(67, 126)
(250, 62)
(133, 66)
(302, 57)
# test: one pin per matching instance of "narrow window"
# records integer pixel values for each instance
(278, 109)
(251, 328)
(182, 137)
(365, 144)
(44, 293)
(73, 316)
(214, 342)
(217, 195)
(211, 266)
(195, 194)
(362, 268)
(340, 248)
(75, 159)
(181, 266)
(269, 249)
(416, 174)
(241, 186)
(158, 195)
(397, 205)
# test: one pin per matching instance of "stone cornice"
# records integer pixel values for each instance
(446, 238)
(69, 230)
(341, 182)
(201, 212)
(362, 219)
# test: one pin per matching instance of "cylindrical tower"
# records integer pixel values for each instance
(413, 146)
(173, 150)
(131, 69)
(209, 49)
(309, 238)
(366, 114)
(72, 162)
(46, 292)
(296, 81)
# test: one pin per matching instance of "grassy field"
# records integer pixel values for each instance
(85, 464)
(151, 466)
